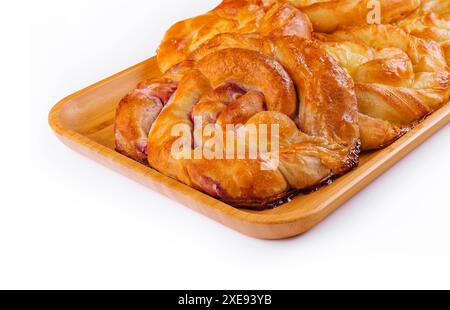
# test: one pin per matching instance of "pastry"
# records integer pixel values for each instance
(272, 17)
(431, 21)
(139, 109)
(253, 71)
(238, 86)
(399, 78)
(231, 16)
(328, 16)
(142, 105)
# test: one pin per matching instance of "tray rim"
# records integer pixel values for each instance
(258, 220)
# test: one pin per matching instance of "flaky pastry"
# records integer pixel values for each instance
(431, 21)
(231, 16)
(267, 17)
(327, 16)
(233, 86)
(399, 78)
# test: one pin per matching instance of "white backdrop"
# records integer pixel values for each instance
(67, 222)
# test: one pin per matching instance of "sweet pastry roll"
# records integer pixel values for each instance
(273, 18)
(240, 86)
(431, 21)
(140, 108)
(328, 15)
(399, 78)
(242, 16)
(250, 69)
(270, 18)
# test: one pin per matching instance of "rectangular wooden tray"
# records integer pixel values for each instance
(84, 121)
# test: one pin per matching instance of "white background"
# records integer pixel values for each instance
(69, 223)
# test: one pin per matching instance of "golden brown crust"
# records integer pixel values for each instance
(192, 86)
(137, 112)
(232, 84)
(247, 63)
(284, 20)
(328, 16)
(337, 94)
(233, 65)
(377, 132)
(431, 21)
(399, 78)
(252, 42)
(231, 16)
(325, 89)
(274, 18)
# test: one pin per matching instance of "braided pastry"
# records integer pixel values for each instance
(234, 86)
(328, 15)
(272, 18)
(232, 16)
(431, 21)
(399, 78)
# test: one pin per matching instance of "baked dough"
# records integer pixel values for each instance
(431, 21)
(231, 16)
(271, 18)
(244, 86)
(328, 16)
(399, 78)
(326, 145)
(140, 108)
(249, 63)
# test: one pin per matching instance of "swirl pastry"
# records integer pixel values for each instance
(328, 15)
(232, 86)
(399, 78)
(431, 21)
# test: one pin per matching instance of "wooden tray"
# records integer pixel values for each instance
(84, 121)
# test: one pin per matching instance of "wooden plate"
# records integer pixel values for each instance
(84, 121)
